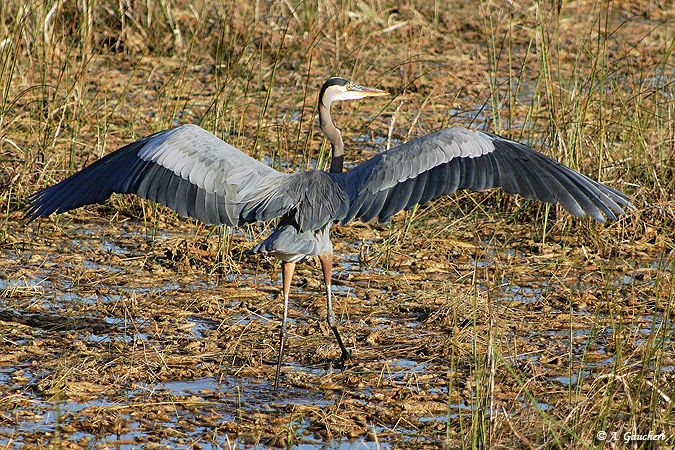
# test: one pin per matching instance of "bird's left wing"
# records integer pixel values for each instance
(457, 158)
(198, 175)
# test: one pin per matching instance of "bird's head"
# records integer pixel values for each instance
(337, 89)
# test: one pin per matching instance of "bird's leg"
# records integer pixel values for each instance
(287, 269)
(326, 267)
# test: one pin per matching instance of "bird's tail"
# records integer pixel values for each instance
(288, 243)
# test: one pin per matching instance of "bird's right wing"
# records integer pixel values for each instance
(198, 175)
(457, 158)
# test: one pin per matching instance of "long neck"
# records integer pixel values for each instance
(333, 135)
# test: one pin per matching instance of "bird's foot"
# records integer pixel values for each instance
(346, 354)
(341, 362)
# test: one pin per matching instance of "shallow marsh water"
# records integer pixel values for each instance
(122, 339)
(478, 320)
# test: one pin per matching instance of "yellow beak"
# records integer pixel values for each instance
(363, 91)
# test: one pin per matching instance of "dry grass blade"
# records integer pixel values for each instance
(478, 320)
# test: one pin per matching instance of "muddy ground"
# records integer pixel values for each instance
(113, 338)
(479, 320)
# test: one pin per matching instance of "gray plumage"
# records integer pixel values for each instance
(198, 175)
(456, 158)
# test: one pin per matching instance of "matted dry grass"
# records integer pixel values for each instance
(478, 320)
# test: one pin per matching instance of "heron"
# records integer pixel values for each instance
(198, 175)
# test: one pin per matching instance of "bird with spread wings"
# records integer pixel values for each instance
(198, 175)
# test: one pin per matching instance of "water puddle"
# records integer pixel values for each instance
(200, 328)
(23, 287)
(136, 337)
(524, 294)
(225, 400)
(570, 381)
(108, 302)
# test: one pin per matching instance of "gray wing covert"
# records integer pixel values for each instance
(196, 174)
(448, 160)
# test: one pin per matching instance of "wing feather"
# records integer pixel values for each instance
(398, 200)
(458, 158)
(198, 175)
(162, 181)
(418, 190)
(453, 176)
(181, 197)
(435, 183)
(507, 179)
(372, 208)
(200, 205)
(602, 196)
